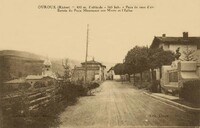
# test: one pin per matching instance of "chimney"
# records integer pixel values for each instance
(163, 35)
(185, 34)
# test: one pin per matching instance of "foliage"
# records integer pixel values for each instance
(188, 54)
(93, 85)
(118, 69)
(146, 85)
(67, 70)
(39, 84)
(19, 114)
(191, 91)
(16, 115)
(143, 58)
(137, 58)
(70, 91)
(155, 86)
(129, 68)
(24, 86)
(159, 57)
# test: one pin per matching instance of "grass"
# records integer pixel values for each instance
(183, 102)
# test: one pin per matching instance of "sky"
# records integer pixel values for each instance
(111, 35)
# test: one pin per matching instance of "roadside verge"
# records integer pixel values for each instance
(171, 102)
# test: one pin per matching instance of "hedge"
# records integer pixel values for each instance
(191, 91)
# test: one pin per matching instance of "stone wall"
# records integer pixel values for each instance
(188, 70)
(184, 71)
(165, 75)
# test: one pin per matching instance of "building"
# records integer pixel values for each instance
(184, 43)
(14, 84)
(111, 75)
(48, 77)
(173, 76)
(95, 71)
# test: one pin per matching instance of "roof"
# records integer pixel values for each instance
(91, 62)
(53, 75)
(94, 63)
(16, 81)
(112, 68)
(34, 77)
(88, 68)
(174, 40)
(39, 77)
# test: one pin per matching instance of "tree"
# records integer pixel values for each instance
(67, 70)
(137, 60)
(189, 54)
(119, 69)
(158, 57)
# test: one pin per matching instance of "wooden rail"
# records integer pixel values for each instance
(34, 98)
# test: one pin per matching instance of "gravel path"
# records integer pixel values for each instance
(121, 105)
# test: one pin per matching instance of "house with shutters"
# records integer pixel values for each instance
(184, 43)
(182, 69)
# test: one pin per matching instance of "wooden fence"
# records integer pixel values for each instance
(32, 98)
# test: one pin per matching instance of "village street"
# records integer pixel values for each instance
(122, 105)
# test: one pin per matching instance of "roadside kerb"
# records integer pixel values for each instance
(187, 108)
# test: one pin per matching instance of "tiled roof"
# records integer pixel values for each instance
(15, 81)
(39, 77)
(179, 39)
(34, 77)
(50, 76)
(94, 62)
(175, 40)
(91, 62)
(88, 68)
(112, 68)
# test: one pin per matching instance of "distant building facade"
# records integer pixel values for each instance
(95, 71)
(111, 75)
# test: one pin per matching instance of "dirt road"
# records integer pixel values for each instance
(121, 105)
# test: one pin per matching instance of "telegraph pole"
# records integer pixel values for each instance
(85, 80)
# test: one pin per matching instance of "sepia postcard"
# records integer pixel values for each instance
(99, 63)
